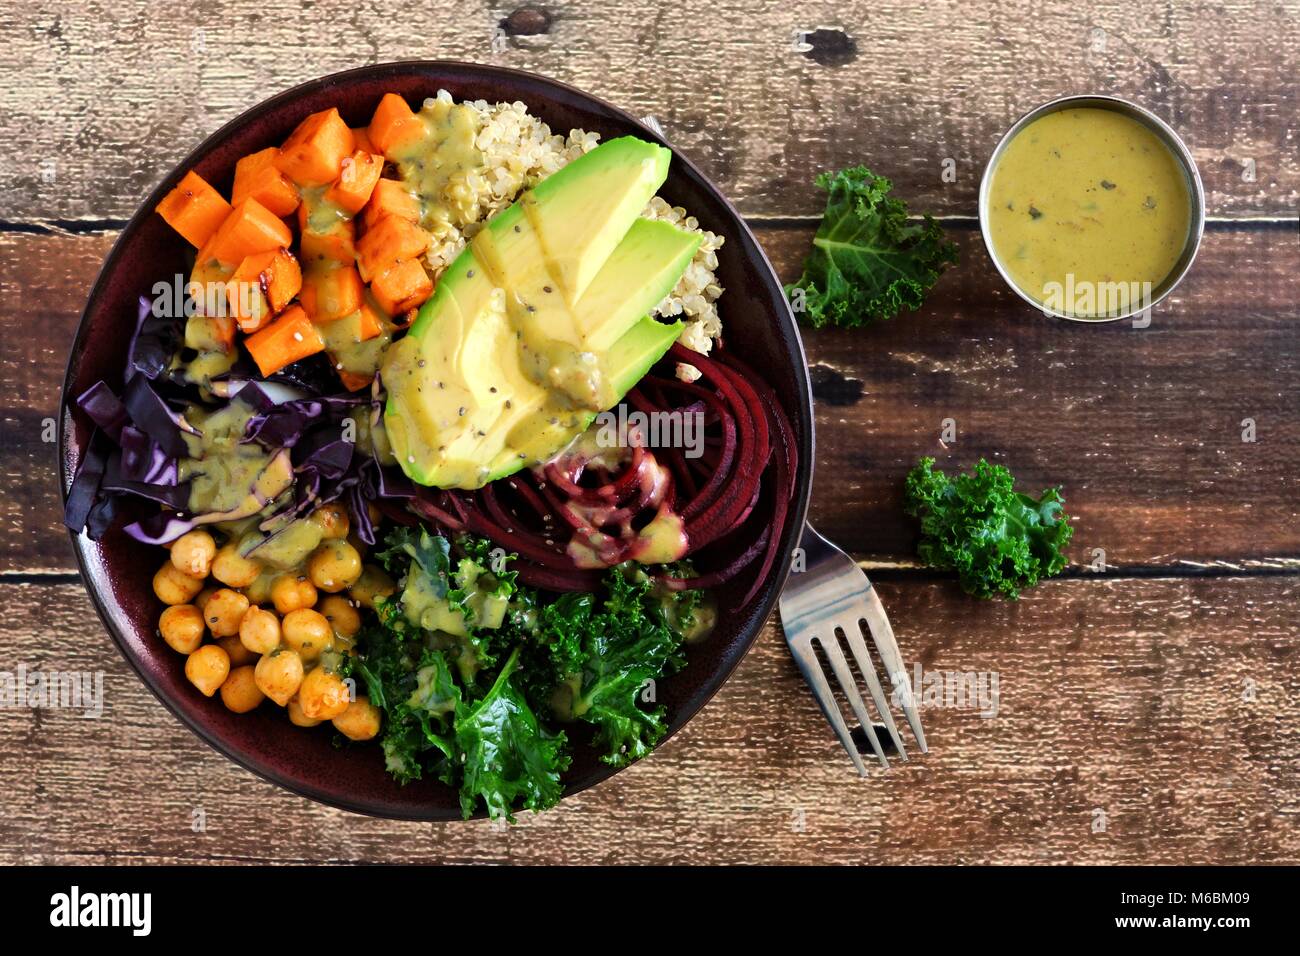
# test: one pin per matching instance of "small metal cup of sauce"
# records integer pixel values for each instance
(1179, 245)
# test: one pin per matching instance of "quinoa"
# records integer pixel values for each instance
(518, 151)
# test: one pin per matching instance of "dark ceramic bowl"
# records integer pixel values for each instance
(118, 570)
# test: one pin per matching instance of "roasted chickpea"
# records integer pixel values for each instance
(296, 716)
(233, 569)
(174, 586)
(360, 721)
(323, 695)
(289, 592)
(181, 626)
(259, 631)
(239, 691)
(332, 519)
(307, 632)
(207, 668)
(344, 619)
(192, 553)
(224, 611)
(279, 674)
(373, 583)
(201, 599)
(239, 654)
(334, 566)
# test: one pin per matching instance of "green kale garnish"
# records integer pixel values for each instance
(998, 540)
(506, 754)
(868, 260)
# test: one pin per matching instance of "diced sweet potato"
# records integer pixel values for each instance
(325, 237)
(207, 285)
(370, 325)
(194, 209)
(391, 198)
(262, 286)
(391, 240)
(249, 229)
(353, 382)
(361, 139)
(330, 291)
(394, 125)
(288, 339)
(314, 152)
(402, 286)
(210, 333)
(257, 177)
(352, 189)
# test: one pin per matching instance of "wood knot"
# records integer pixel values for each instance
(527, 22)
(829, 46)
(833, 387)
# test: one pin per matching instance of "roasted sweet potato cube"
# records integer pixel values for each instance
(392, 240)
(330, 291)
(333, 240)
(249, 229)
(394, 125)
(257, 177)
(262, 286)
(288, 339)
(404, 285)
(361, 140)
(194, 209)
(391, 198)
(352, 189)
(314, 152)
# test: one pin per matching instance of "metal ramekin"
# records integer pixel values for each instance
(1196, 221)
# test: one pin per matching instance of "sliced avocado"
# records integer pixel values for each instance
(501, 369)
(582, 211)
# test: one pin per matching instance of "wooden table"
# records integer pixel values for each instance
(1148, 712)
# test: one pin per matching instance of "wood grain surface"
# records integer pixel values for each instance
(114, 93)
(1164, 708)
(1147, 712)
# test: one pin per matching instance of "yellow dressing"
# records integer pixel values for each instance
(1088, 208)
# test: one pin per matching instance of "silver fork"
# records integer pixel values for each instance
(832, 595)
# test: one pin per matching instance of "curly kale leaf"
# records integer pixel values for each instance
(507, 755)
(998, 540)
(868, 260)
(602, 659)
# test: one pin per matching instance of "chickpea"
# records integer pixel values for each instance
(373, 583)
(192, 553)
(343, 617)
(289, 592)
(307, 632)
(239, 654)
(239, 691)
(323, 695)
(181, 626)
(233, 569)
(279, 675)
(224, 611)
(207, 668)
(201, 599)
(259, 631)
(333, 520)
(333, 566)
(296, 716)
(175, 587)
(360, 721)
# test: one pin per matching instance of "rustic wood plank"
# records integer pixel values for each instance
(1172, 706)
(742, 87)
(1142, 427)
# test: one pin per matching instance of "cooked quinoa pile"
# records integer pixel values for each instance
(519, 150)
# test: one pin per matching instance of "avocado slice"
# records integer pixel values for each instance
(539, 324)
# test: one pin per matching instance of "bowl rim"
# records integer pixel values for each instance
(549, 87)
(1172, 140)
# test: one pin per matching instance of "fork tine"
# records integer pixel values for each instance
(812, 674)
(882, 635)
(835, 655)
(853, 633)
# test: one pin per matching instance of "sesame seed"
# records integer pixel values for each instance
(297, 336)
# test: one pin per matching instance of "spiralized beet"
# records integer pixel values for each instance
(587, 510)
